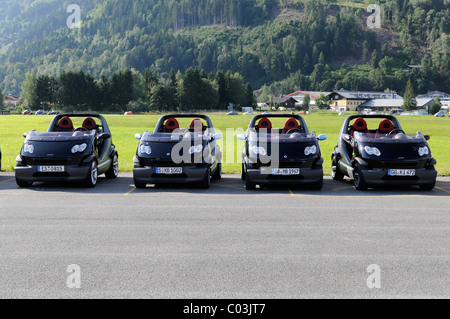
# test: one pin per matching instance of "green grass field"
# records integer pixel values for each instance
(123, 129)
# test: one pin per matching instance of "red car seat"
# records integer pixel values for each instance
(89, 124)
(64, 125)
(171, 125)
(290, 124)
(385, 127)
(196, 124)
(360, 125)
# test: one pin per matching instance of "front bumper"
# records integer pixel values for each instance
(263, 175)
(190, 175)
(72, 173)
(379, 176)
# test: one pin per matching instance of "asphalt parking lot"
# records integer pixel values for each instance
(225, 242)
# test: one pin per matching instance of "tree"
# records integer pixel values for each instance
(306, 102)
(322, 102)
(29, 91)
(409, 99)
(435, 106)
(2, 105)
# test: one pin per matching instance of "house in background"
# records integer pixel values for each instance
(341, 101)
(443, 97)
(389, 105)
(10, 102)
(299, 96)
(286, 102)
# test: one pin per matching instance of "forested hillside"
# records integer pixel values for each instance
(277, 45)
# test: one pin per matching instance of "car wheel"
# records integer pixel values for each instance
(92, 178)
(113, 171)
(22, 183)
(427, 187)
(318, 185)
(249, 185)
(218, 173)
(206, 183)
(358, 179)
(336, 173)
(243, 172)
(139, 184)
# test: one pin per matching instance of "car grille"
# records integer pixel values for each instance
(59, 174)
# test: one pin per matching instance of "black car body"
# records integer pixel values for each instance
(289, 155)
(67, 152)
(383, 155)
(172, 154)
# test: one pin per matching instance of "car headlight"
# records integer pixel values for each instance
(28, 148)
(146, 149)
(424, 151)
(195, 149)
(259, 150)
(310, 150)
(372, 151)
(79, 148)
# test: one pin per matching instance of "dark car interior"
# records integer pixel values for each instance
(172, 125)
(65, 124)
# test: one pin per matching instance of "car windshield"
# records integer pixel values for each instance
(59, 136)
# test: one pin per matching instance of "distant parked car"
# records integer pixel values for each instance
(40, 112)
(128, 113)
(27, 112)
(441, 113)
(233, 113)
(53, 113)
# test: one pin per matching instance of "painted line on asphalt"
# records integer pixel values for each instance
(290, 192)
(128, 193)
(441, 189)
(8, 180)
(342, 188)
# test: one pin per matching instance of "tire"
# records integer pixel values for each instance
(92, 178)
(336, 173)
(218, 173)
(358, 179)
(139, 185)
(23, 184)
(428, 187)
(113, 171)
(249, 185)
(243, 172)
(317, 186)
(206, 182)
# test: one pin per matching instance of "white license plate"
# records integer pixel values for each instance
(402, 172)
(51, 169)
(169, 170)
(286, 171)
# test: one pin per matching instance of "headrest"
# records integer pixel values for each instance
(265, 123)
(172, 124)
(385, 126)
(89, 123)
(291, 123)
(360, 124)
(65, 122)
(196, 124)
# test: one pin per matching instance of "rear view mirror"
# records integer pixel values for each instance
(138, 136)
(241, 137)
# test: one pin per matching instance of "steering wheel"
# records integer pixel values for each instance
(397, 130)
(80, 129)
(293, 130)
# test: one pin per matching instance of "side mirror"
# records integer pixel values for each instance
(217, 136)
(427, 137)
(25, 135)
(104, 136)
(322, 137)
(138, 136)
(241, 137)
(347, 138)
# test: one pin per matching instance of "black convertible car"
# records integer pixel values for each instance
(182, 149)
(382, 154)
(68, 152)
(287, 155)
